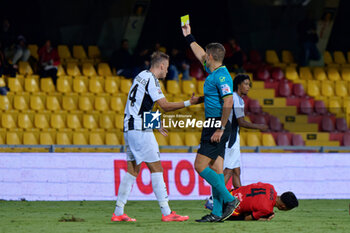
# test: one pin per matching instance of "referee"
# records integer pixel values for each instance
(218, 102)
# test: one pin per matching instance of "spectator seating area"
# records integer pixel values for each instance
(302, 106)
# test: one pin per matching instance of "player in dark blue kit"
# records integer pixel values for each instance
(218, 102)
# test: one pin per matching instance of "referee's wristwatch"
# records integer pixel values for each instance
(222, 128)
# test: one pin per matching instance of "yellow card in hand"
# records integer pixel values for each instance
(185, 20)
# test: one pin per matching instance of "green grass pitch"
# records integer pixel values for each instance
(94, 216)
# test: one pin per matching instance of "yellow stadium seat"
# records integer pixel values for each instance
(63, 138)
(173, 87)
(101, 103)
(253, 139)
(89, 121)
(272, 57)
(94, 52)
(346, 105)
(106, 121)
(175, 139)
(2, 138)
(33, 48)
(24, 68)
(268, 140)
(47, 138)
(41, 121)
(5, 103)
(200, 87)
(119, 121)
(15, 85)
(291, 73)
(96, 138)
(69, 102)
(73, 69)
(2, 81)
(60, 71)
(25, 121)
(96, 85)
(112, 139)
(30, 138)
(104, 69)
(117, 104)
(333, 74)
(47, 85)
(313, 88)
(85, 103)
(20, 102)
(73, 121)
(287, 57)
(111, 86)
(89, 69)
(64, 84)
(80, 138)
(161, 83)
(162, 140)
(80, 84)
(345, 74)
(335, 105)
(79, 52)
(8, 121)
(57, 121)
(63, 52)
(242, 141)
(339, 57)
(188, 87)
(305, 73)
(191, 139)
(320, 74)
(341, 88)
(13, 138)
(327, 57)
(53, 103)
(327, 88)
(125, 86)
(31, 85)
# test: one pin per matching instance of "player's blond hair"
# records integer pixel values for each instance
(158, 57)
(217, 50)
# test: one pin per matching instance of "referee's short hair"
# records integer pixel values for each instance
(158, 57)
(290, 200)
(217, 50)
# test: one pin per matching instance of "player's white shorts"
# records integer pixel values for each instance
(233, 155)
(141, 146)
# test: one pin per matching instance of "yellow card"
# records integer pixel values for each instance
(185, 20)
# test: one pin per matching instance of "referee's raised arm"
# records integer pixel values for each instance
(196, 48)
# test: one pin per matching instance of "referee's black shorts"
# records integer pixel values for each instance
(214, 149)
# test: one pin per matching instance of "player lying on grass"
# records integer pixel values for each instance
(258, 200)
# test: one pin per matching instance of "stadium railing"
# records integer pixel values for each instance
(191, 149)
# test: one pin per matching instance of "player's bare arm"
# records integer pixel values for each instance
(172, 106)
(196, 48)
(245, 124)
(226, 110)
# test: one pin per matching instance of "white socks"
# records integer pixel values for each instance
(160, 191)
(123, 193)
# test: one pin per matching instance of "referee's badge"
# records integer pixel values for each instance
(151, 120)
(225, 88)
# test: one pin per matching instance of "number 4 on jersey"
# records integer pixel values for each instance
(132, 96)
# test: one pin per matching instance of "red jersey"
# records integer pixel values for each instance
(256, 199)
